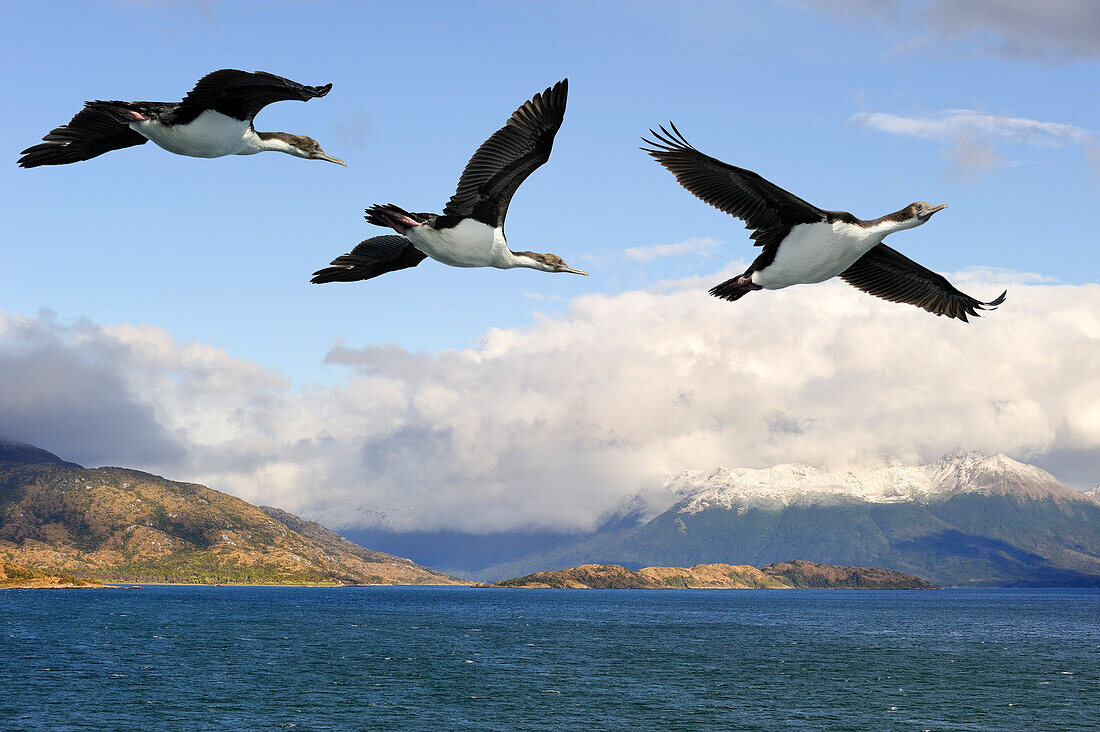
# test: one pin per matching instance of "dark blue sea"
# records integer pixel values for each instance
(395, 658)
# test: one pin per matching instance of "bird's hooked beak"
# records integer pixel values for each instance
(321, 155)
(928, 214)
(566, 268)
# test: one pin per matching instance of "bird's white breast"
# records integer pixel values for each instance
(816, 252)
(210, 135)
(469, 244)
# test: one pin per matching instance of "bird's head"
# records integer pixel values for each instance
(297, 145)
(545, 262)
(307, 147)
(921, 211)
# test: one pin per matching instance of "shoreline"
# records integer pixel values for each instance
(112, 584)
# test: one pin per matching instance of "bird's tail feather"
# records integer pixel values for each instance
(384, 214)
(93, 131)
(395, 217)
(734, 289)
(122, 112)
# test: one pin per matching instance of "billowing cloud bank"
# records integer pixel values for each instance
(554, 424)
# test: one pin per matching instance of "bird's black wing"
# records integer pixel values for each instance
(241, 94)
(886, 273)
(505, 160)
(742, 193)
(375, 256)
(92, 132)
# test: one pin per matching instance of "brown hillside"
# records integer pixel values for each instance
(357, 561)
(803, 574)
(129, 526)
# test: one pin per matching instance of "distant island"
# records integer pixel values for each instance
(65, 525)
(796, 574)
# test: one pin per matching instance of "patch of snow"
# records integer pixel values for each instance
(888, 482)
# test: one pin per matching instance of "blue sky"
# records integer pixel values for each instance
(220, 250)
(198, 270)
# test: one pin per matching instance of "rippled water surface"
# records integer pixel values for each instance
(183, 658)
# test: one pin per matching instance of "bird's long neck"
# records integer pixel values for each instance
(505, 258)
(888, 224)
(273, 141)
(509, 259)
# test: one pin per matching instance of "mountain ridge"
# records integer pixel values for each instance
(130, 526)
(20, 452)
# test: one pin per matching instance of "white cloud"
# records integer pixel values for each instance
(703, 246)
(1027, 30)
(554, 424)
(1053, 30)
(951, 124)
(973, 136)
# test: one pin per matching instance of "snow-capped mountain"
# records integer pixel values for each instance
(1094, 494)
(956, 473)
(966, 519)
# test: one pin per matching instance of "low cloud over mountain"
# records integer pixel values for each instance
(555, 424)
